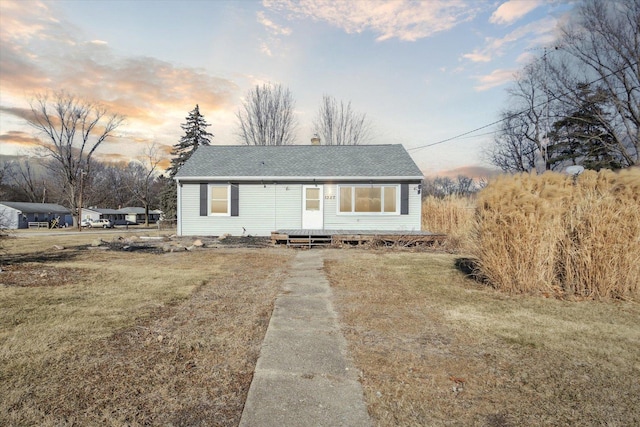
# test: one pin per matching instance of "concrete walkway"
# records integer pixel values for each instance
(303, 376)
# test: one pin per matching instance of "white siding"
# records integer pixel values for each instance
(270, 207)
(90, 214)
(9, 217)
(289, 207)
(262, 209)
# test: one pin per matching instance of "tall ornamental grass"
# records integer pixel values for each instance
(561, 235)
(450, 215)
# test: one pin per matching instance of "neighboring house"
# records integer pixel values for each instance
(123, 216)
(94, 213)
(14, 215)
(135, 215)
(254, 190)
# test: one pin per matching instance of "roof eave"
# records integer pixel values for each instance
(297, 178)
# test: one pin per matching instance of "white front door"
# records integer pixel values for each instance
(312, 218)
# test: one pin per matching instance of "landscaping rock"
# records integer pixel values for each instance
(198, 243)
(58, 247)
(96, 243)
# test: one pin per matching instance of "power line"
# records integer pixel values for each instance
(555, 97)
(460, 135)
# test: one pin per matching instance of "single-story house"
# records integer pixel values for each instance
(14, 215)
(135, 215)
(94, 213)
(123, 216)
(254, 190)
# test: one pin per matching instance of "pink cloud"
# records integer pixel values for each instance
(139, 87)
(472, 171)
(401, 19)
(41, 54)
(493, 79)
(272, 27)
(19, 138)
(477, 56)
(534, 33)
(512, 10)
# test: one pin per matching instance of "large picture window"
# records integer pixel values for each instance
(219, 200)
(382, 199)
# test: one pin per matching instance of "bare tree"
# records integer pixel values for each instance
(603, 45)
(443, 186)
(589, 81)
(73, 131)
(531, 94)
(142, 177)
(7, 171)
(521, 142)
(108, 185)
(29, 179)
(465, 185)
(512, 150)
(26, 179)
(267, 116)
(337, 124)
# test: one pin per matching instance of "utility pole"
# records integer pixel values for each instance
(547, 165)
(543, 141)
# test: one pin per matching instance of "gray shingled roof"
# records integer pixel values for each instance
(102, 211)
(300, 161)
(44, 208)
(136, 210)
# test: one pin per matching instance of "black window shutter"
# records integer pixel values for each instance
(234, 200)
(203, 200)
(404, 199)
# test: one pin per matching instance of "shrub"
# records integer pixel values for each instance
(556, 234)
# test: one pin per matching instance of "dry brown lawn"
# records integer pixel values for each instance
(95, 337)
(436, 348)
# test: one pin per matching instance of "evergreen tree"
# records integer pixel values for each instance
(195, 135)
(583, 137)
(168, 198)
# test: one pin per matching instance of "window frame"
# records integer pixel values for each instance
(353, 187)
(210, 199)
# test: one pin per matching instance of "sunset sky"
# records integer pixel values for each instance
(422, 71)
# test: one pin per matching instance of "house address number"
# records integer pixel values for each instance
(329, 197)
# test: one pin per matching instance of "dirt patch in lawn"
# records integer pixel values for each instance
(37, 275)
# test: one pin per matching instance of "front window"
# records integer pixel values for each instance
(219, 200)
(369, 199)
(312, 199)
(346, 199)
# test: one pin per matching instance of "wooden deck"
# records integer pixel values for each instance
(311, 238)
